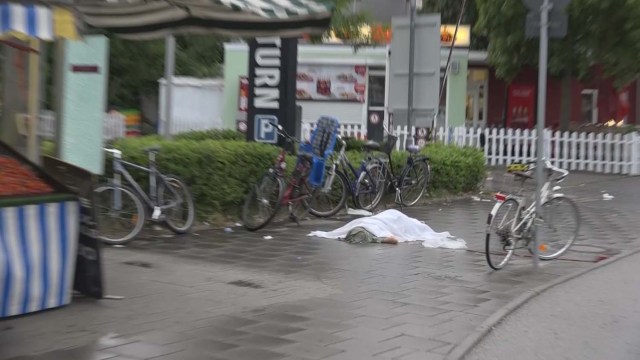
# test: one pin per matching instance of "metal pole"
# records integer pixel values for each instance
(387, 75)
(34, 101)
(448, 67)
(412, 41)
(169, 69)
(542, 106)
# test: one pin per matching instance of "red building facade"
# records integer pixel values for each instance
(594, 100)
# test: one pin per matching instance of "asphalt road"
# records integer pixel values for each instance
(596, 316)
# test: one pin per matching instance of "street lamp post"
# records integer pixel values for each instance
(169, 69)
(412, 41)
(542, 106)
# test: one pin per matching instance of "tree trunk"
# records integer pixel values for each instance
(565, 105)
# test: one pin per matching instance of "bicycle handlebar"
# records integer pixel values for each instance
(548, 166)
(115, 152)
(343, 144)
(283, 133)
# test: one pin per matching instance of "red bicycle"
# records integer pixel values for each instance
(272, 192)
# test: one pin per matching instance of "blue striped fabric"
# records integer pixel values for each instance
(29, 19)
(38, 245)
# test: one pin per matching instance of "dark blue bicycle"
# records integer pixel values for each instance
(365, 189)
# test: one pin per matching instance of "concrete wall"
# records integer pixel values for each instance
(82, 102)
(236, 64)
(457, 89)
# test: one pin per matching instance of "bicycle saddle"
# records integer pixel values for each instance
(413, 149)
(154, 148)
(371, 145)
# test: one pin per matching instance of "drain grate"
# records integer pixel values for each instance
(141, 264)
(246, 283)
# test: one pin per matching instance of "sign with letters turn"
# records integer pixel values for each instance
(272, 88)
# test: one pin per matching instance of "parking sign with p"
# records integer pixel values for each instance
(263, 130)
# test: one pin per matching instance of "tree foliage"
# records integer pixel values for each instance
(136, 66)
(346, 24)
(600, 32)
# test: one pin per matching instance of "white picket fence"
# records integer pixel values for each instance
(113, 125)
(600, 153)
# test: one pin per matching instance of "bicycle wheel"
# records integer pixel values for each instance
(181, 216)
(118, 223)
(328, 200)
(499, 247)
(301, 198)
(413, 182)
(371, 186)
(562, 222)
(264, 198)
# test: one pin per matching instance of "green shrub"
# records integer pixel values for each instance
(48, 148)
(220, 172)
(353, 144)
(455, 169)
(211, 135)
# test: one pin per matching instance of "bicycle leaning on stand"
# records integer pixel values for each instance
(511, 225)
(337, 187)
(409, 185)
(168, 201)
(271, 191)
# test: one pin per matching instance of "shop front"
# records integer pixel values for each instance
(39, 216)
(348, 83)
(591, 102)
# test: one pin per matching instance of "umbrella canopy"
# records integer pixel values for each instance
(141, 20)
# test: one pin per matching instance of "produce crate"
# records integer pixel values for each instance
(39, 229)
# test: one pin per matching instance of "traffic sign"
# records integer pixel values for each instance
(558, 19)
(558, 25)
(242, 126)
(263, 130)
(558, 5)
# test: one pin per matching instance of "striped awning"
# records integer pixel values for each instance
(24, 20)
(35, 21)
(236, 18)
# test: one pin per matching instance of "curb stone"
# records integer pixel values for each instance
(461, 350)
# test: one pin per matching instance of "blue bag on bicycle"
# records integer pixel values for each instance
(323, 141)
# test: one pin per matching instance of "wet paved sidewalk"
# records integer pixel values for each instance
(219, 295)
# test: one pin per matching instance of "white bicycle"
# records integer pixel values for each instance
(511, 221)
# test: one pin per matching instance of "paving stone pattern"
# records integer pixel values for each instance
(217, 295)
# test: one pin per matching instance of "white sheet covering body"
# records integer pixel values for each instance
(403, 228)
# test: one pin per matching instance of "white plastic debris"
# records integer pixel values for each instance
(228, 230)
(606, 196)
(237, 224)
(267, 237)
(475, 198)
(358, 212)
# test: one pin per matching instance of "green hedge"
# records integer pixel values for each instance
(454, 169)
(211, 135)
(220, 172)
